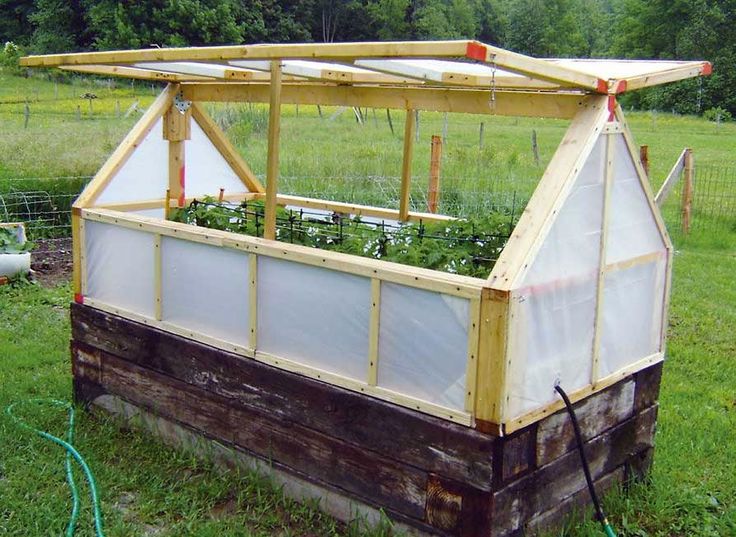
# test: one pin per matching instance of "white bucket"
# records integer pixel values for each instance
(14, 264)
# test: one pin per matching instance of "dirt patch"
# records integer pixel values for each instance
(51, 261)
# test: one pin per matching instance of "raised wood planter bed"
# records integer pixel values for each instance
(356, 452)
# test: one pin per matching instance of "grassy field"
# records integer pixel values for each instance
(150, 490)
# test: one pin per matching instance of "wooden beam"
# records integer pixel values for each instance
(177, 129)
(687, 70)
(687, 191)
(272, 159)
(253, 301)
(472, 101)
(374, 331)
(226, 149)
(157, 278)
(409, 127)
(123, 152)
(471, 367)
(134, 73)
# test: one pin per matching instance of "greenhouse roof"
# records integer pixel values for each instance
(447, 64)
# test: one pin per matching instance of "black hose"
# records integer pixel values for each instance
(600, 515)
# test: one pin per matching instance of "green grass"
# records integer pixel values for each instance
(149, 489)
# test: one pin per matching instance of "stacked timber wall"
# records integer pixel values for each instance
(426, 473)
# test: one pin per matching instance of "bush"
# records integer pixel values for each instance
(717, 114)
(9, 57)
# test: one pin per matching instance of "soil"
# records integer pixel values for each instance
(51, 261)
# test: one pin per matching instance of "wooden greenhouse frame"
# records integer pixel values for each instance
(500, 312)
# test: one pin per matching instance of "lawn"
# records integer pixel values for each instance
(148, 489)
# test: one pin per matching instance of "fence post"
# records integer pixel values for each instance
(535, 147)
(26, 115)
(687, 191)
(644, 157)
(480, 136)
(435, 161)
(390, 123)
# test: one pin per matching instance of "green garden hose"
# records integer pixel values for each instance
(71, 453)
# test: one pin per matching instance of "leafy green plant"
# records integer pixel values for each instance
(10, 242)
(468, 247)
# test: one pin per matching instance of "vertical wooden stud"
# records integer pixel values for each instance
(471, 370)
(409, 127)
(253, 301)
(272, 163)
(598, 321)
(158, 309)
(490, 384)
(435, 161)
(687, 191)
(177, 129)
(76, 253)
(167, 204)
(374, 331)
(82, 257)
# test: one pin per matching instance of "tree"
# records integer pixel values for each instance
(58, 26)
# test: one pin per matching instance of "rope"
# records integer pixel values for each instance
(71, 453)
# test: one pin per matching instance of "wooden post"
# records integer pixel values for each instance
(26, 115)
(177, 129)
(687, 191)
(480, 136)
(435, 160)
(416, 127)
(390, 123)
(444, 128)
(644, 156)
(409, 127)
(117, 109)
(272, 162)
(535, 147)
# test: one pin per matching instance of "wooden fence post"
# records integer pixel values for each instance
(435, 160)
(644, 157)
(480, 136)
(26, 115)
(535, 147)
(687, 191)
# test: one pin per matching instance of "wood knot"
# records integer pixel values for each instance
(443, 507)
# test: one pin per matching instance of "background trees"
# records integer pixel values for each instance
(665, 29)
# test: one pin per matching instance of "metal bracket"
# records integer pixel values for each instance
(182, 105)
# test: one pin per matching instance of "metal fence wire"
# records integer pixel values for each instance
(714, 199)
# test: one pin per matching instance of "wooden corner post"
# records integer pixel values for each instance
(272, 164)
(409, 128)
(177, 129)
(490, 388)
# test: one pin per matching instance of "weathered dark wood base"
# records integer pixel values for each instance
(362, 454)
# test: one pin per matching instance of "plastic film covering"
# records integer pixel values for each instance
(206, 289)
(553, 311)
(632, 315)
(314, 316)
(423, 344)
(145, 175)
(207, 171)
(120, 267)
(632, 228)
(151, 213)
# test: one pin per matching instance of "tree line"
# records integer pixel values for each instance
(656, 29)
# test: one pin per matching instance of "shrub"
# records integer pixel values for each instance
(9, 57)
(717, 114)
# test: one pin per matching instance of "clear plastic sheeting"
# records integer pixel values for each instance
(552, 324)
(633, 303)
(632, 230)
(423, 344)
(206, 289)
(151, 213)
(145, 175)
(572, 247)
(207, 171)
(314, 316)
(120, 267)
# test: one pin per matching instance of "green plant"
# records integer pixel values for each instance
(12, 243)
(717, 114)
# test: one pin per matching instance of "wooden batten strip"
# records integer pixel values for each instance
(374, 331)
(157, 277)
(226, 149)
(123, 152)
(451, 284)
(253, 301)
(490, 392)
(162, 203)
(601, 283)
(536, 415)
(471, 369)
(671, 180)
(82, 237)
(76, 252)
(135, 73)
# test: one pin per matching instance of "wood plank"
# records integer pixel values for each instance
(596, 414)
(133, 72)
(434, 444)
(471, 368)
(374, 331)
(648, 382)
(253, 300)
(377, 478)
(671, 179)
(157, 282)
(550, 485)
(226, 149)
(408, 154)
(272, 158)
